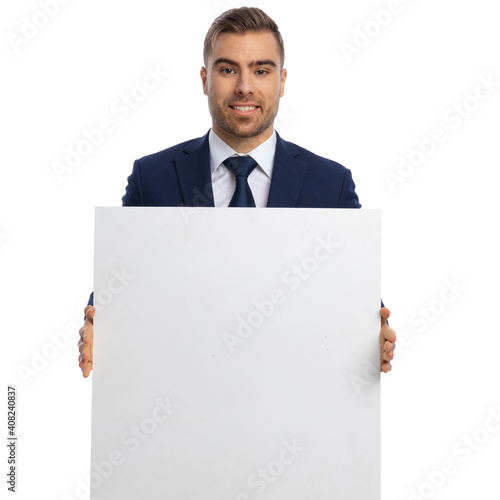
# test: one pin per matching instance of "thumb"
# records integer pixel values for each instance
(89, 313)
(384, 315)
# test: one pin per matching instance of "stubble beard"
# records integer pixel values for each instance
(231, 125)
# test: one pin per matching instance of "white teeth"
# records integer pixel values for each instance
(244, 108)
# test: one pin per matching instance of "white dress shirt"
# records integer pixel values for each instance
(223, 181)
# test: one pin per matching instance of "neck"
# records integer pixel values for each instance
(243, 145)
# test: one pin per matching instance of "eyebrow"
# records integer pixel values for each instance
(225, 60)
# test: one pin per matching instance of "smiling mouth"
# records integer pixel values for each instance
(244, 109)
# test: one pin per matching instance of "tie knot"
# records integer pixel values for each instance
(240, 166)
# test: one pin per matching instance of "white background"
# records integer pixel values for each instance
(364, 111)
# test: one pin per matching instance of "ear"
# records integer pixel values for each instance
(203, 74)
(282, 81)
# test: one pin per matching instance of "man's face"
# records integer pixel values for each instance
(244, 83)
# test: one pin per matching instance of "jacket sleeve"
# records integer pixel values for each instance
(348, 197)
(133, 192)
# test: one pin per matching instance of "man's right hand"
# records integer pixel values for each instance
(86, 342)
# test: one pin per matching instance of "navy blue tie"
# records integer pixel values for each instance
(241, 167)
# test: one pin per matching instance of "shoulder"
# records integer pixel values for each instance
(154, 180)
(323, 182)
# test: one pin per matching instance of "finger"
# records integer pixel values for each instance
(387, 356)
(389, 334)
(384, 315)
(388, 346)
(88, 369)
(84, 355)
(386, 367)
(85, 342)
(81, 348)
(85, 352)
(84, 364)
(82, 334)
(84, 329)
(86, 332)
(89, 313)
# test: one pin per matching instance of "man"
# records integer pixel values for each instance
(244, 79)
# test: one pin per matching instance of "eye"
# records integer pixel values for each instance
(261, 72)
(227, 71)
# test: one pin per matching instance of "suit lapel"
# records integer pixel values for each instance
(288, 175)
(193, 172)
(195, 183)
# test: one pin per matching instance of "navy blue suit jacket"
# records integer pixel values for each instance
(180, 176)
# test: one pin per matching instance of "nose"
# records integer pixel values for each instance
(244, 84)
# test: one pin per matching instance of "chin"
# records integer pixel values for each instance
(247, 132)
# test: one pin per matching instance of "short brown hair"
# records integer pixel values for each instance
(240, 21)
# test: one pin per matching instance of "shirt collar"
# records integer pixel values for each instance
(263, 154)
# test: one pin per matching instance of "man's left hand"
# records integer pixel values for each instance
(387, 341)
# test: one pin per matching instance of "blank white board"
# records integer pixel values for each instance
(236, 354)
